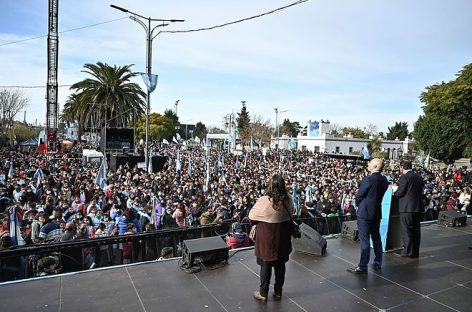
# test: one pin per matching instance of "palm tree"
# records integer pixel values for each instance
(108, 94)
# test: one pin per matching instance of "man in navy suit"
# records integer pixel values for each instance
(410, 205)
(369, 200)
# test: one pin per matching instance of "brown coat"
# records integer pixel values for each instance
(273, 240)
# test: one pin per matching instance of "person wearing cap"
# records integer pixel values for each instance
(237, 238)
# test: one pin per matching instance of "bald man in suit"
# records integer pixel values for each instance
(369, 213)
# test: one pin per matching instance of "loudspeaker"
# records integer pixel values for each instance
(209, 250)
(118, 138)
(349, 231)
(452, 218)
(310, 242)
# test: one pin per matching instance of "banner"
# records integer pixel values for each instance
(150, 81)
(314, 129)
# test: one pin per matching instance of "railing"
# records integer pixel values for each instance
(76, 255)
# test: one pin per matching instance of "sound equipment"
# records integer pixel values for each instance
(118, 139)
(132, 160)
(452, 218)
(310, 242)
(210, 250)
(349, 231)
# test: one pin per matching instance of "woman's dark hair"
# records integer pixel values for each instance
(277, 191)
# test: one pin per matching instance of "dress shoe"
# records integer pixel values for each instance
(357, 270)
(276, 296)
(257, 295)
(376, 267)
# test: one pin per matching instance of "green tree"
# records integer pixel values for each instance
(243, 120)
(289, 128)
(171, 114)
(399, 130)
(23, 132)
(109, 93)
(160, 127)
(200, 130)
(440, 135)
(375, 148)
(445, 130)
(355, 132)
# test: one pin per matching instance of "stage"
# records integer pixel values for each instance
(440, 280)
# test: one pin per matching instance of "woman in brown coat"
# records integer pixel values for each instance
(273, 240)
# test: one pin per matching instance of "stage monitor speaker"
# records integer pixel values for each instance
(349, 231)
(452, 218)
(210, 250)
(310, 242)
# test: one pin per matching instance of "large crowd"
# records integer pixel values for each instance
(50, 199)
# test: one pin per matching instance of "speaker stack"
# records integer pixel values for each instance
(210, 250)
(310, 242)
(349, 231)
(452, 218)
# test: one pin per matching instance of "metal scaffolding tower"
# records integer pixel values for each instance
(51, 89)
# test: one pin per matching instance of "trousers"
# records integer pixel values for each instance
(266, 274)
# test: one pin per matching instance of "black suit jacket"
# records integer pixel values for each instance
(410, 192)
(369, 196)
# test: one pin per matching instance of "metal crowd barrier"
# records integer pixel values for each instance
(21, 262)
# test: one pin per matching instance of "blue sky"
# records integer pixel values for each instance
(352, 62)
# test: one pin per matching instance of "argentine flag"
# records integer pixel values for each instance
(39, 174)
(11, 172)
(102, 174)
(15, 232)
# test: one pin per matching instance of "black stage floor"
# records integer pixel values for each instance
(440, 280)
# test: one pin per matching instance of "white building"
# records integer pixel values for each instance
(317, 139)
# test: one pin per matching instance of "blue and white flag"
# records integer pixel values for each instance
(164, 141)
(178, 165)
(365, 152)
(237, 162)
(150, 81)
(15, 232)
(292, 144)
(178, 137)
(11, 172)
(207, 182)
(189, 171)
(251, 145)
(102, 174)
(245, 160)
(39, 174)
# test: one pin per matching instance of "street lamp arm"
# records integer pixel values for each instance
(152, 31)
(127, 11)
(146, 29)
(119, 8)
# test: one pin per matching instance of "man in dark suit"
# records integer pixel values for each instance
(369, 200)
(410, 204)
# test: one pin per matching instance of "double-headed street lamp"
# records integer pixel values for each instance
(277, 112)
(150, 35)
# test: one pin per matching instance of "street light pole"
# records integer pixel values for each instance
(277, 112)
(149, 37)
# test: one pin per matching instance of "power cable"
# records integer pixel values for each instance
(31, 87)
(64, 31)
(235, 22)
